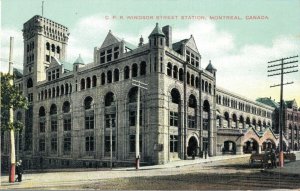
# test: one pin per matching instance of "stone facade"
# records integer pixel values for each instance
(77, 110)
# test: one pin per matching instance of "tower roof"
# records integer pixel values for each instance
(210, 67)
(157, 31)
(79, 60)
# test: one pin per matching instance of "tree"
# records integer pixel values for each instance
(11, 99)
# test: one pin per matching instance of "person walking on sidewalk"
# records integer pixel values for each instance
(19, 171)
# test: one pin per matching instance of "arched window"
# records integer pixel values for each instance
(48, 46)
(53, 109)
(103, 78)
(175, 95)
(88, 82)
(94, 81)
(197, 82)
(188, 78)
(62, 90)
(67, 88)
(42, 112)
(58, 50)
(66, 107)
(226, 116)
(53, 48)
(82, 83)
(134, 70)
(29, 83)
(209, 88)
(109, 77)
(88, 101)
(46, 94)
(143, 68)
(169, 69)
(116, 75)
(192, 80)
(206, 86)
(126, 72)
(49, 92)
(192, 101)
(109, 99)
(132, 95)
(175, 72)
(181, 74)
(53, 92)
(57, 91)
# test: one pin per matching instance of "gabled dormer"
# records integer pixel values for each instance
(111, 49)
(57, 68)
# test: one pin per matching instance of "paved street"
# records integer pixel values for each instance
(232, 172)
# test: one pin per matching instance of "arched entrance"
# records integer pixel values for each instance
(250, 146)
(229, 148)
(268, 144)
(192, 146)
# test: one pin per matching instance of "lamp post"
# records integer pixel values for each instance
(139, 85)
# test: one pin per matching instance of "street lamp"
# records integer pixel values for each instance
(139, 85)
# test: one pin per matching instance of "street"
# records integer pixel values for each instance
(234, 173)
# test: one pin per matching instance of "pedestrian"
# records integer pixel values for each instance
(273, 159)
(19, 171)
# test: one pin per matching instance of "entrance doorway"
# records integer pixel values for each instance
(192, 146)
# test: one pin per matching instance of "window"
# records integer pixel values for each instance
(126, 72)
(67, 144)
(175, 72)
(110, 121)
(108, 55)
(102, 57)
(53, 125)
(109, 99)
(57, 49)
(191, 121)
(47, 58)
(54, 144)
(89, 122)
(67, 124)
(116, 52)
(29, 83)
(132, 143)
(143, 68)
(42, 126)
(116, 75)
(173, 143)
(88, 102)
(42, 145)
(132, 118)
(169, 69)
(181, 74)
(66, 107)
(107, 143)
(205, 121)
(53, 48)
(89, 143)
(174, 119)
(88, 82)
(134, 70)
(102, 78)
(82, 84)
(48, 46)
(94, 79)
(53, 109)
(109, 77)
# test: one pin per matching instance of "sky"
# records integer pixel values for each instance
(238, 48)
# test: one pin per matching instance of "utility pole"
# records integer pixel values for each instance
(42, 8)
(139, 85)
(282, 68)
(11, 120)
(110, 140)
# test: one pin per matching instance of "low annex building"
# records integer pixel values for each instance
(75, 106)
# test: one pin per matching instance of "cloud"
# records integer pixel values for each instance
(6, 33)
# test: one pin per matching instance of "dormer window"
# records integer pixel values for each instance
(102, 57)
(109, 55)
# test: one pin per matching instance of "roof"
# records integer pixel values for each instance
(67, 66)
(289, 104)
(157, 31)
(79, 60)
(129, 45)
(177, 46)
(268, 101)
(210, 67)
(18, 73)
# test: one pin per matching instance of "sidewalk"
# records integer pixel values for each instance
(179, 163)
(290, 168)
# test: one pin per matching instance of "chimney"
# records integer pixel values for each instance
(167, 30)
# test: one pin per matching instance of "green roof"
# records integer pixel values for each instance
(210, 67)
(157, 31)
(18, 73)
(178, 45)
(79, 60)
(268, 101)
(67, 66)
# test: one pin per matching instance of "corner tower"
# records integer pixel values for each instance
(43, 40)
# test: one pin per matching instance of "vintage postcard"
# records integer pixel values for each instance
(150, 95)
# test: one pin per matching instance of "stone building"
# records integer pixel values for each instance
(79, 110)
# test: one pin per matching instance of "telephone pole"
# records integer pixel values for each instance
(139, 85)
(11, 120)
(284, 68)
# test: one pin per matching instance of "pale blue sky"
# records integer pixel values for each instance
(238, 48)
